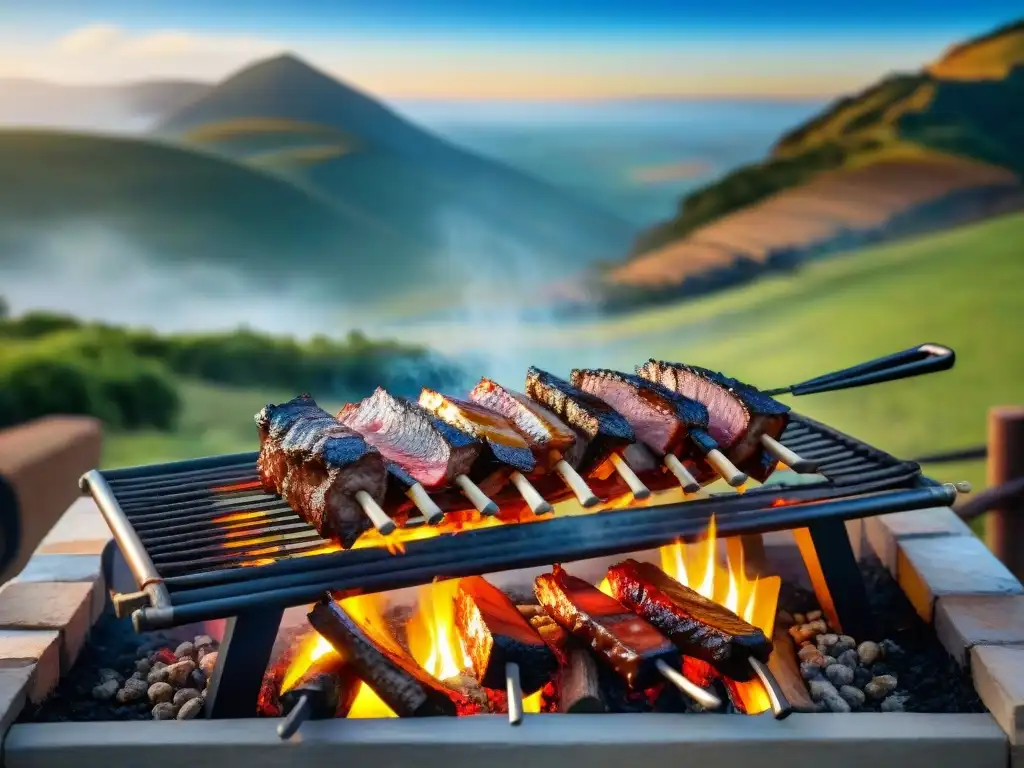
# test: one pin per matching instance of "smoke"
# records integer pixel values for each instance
(94, 271)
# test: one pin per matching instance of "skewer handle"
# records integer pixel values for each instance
(299, 714)
(477, 497)
(706, 699)
(432, 513)
(636, 485)
(781, 707)
(576, 484)
(725, 468)
(515, 694)
(786, 456)
(530, 495)
(384, 524)
(682, 474)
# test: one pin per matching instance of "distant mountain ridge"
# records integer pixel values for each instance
(955, 117)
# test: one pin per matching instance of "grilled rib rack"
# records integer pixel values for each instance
(170, 522)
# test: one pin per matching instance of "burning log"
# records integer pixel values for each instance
(502, 645)
(387, 668)
(698, 626)
(579, 690)
(325, 690)
(635, 650)
(601, 431)
(548, 436)
(668, 423)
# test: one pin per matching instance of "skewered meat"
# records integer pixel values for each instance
(739, 413)
(546, 434)
(600, 429)
(387, 668)
(430, 450)
(620, 638)
(699, 627)
(661, 418)
(507, 446)
(495, 633)
(319, 467)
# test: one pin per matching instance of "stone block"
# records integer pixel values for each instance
(884, 531)
(80, 531)
(962, 622)
(932, 567)
(37, 651)
(998, 673)
(64, 607)
(86, 569)
(14, 687)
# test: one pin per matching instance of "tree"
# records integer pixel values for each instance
(5, 309)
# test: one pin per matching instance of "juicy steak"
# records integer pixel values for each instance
(699, 627)
(547, 435)
(318, 465)
(495, 633)
(621, 639)
(430, 450)
(507, 446)
(662, 419)
(739, 413)
(601, 430)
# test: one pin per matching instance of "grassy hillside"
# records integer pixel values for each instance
(935, 109)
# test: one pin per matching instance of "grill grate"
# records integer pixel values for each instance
(205, 541)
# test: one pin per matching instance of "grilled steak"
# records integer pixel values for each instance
(506, 445)
(600, 429)
(547, 435)
(427, 448)
(620, 638)
(662, 419)
(495, 633)
(318, 465)
(739, 413)
(699, 627)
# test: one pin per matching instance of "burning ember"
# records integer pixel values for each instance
(430, 637)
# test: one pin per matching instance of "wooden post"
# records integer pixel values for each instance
(1004, 527)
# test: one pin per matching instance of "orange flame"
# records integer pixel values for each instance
(433, 640)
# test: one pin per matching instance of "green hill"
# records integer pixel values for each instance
(375, 162)
(944, 108)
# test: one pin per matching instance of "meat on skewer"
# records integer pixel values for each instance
(507, 447)
(668, 423)
(745, 423)
(629, 645)
(699, 627)
(601, 431)
(326, 472)
(504, 648)
(547, 435)
(429, 449)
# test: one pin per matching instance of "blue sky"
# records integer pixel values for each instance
(501, 48)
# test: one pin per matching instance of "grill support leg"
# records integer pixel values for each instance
(836, 578)
(241, 661)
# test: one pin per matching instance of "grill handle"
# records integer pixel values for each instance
(926, 358)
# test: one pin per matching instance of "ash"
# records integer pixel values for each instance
(906, 669)
(121, 675)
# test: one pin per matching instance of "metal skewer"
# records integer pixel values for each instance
(787, 456)
(432, 513)
(537, 504)
(477, 497)
(295, 719)
(384, 524)
(515, 694)
(682, 474)
(781, 707)
(705, 698)
(576, 484)
(636, 485)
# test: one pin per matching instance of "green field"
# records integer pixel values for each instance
(960, 288)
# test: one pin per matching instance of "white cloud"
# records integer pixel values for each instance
(90, 39)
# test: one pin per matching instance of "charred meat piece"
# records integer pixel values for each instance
(699, 627)
(601, 430)
(495, 633)
(506, 445)
(547, 435)
(622, 640)
(663, 420)
(319, 466)
(739, 413)
(426, 447)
